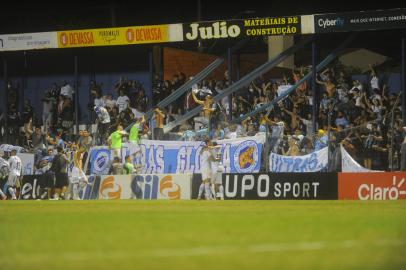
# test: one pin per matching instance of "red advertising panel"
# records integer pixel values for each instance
(372, 186)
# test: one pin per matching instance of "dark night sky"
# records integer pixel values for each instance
(36, 16)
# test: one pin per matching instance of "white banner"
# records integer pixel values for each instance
(146, 186)
(28, 41)
(349, 164)
(314, 162)
(241, 155)
(28, 163)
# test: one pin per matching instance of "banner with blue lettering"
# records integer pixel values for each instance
(241, 155)
(314, 162)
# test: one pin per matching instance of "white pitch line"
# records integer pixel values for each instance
(208, 250)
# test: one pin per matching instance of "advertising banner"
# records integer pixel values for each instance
(146, 186)
(314, 162)
(28, 41)
(120, 36)
(269, 26)
(30, 187)
(349, 164)
(360, 21)
(239, 155)
(372, 186)
(280, 186)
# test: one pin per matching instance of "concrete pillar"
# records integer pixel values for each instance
(276, 45)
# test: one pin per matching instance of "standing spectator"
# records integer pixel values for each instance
(109, 101)
(38, 139)
(67, 114)
(134, 137)
(320, 140)
(142, 101)
(159, 119)
(116, 140)
(277, 134)
(66, 90)
(60, 168)
(128, 166)
(116, 167)
(103, 123)
(370, 140)
(48, 104)
(293, 148)
(374, 81)
(122, 101)
(341, 120)
(329, 85)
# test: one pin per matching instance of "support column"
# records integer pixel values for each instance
(5, 103)
(151, 77)
(314, 86)
(230, 81)
(76, 89)
(403, 79)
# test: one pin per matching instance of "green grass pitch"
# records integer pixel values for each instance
(202, 235)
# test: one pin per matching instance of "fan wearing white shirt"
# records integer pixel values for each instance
(67, 90)
(374, 79)
(15, 173)
(122, 102)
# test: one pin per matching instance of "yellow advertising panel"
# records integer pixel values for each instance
(113, 36)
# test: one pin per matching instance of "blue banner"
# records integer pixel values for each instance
(241, 155)
(313, 162)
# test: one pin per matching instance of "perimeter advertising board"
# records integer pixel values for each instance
(120, 36)
(372, 186)
(28, 41)
(280, 186)
(360, 21)
(269, 26)
(145, 186)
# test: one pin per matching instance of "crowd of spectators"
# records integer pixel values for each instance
(357, 115)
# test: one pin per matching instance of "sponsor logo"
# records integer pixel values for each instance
(325, 23)
(261, 186)
(63, 39)
(129, 35)
(30, 190)
(148, 186)
(246, 156)
(215, 30)
(109, 189)
(376, 192)
(101, 161)
(167, 188)
(77, 38)
(109, 34)
(148, 34)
